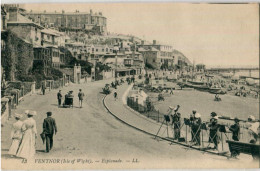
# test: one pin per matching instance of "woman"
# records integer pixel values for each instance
(27, 147)
(16, 135)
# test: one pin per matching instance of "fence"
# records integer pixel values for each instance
(186, 132)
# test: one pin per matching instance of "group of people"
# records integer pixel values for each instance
(24, 134)
(68, 101)
(196, 125)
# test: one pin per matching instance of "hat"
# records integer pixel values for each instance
(33, 113)
(213, 114)
(251, 117)
(194, 110)
(236, 119)
(26, 111)
(215, 117)
(170, 107)
(197, 115)
(16, 115)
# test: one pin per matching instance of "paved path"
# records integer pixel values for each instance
(94, 134)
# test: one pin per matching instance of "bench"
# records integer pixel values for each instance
(246, 148)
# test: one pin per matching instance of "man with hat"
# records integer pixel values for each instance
(214, 130)
(49, 128)
(59, 97)
(196, 127)
(253, 129)
(235, 129)
(192, 119)
(176, 122)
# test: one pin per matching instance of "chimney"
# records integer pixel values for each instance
(63, 11)
(44, 11)
(13, 12)
(154, 42)
(91, 12)
(142, 42)
(100, 13)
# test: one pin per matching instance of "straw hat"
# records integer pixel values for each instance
(251, 117)
(170, 107)
(215, 117)
(33, 113)
(197, 115)
(19, 116)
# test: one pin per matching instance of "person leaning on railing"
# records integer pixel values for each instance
(214, 130)
(253, 129)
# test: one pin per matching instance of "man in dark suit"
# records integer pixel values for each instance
(49, 128)
(59, 97)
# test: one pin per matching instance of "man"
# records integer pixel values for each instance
(59, 97)
(235, 129)
(115, 95)
(176, 122)
(43, 88)
(196, 127)
(192, 119)
(171, 92)
(214, 130)
(80, 95)
(253, 129)
(49, 128)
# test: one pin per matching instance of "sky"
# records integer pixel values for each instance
(213, 34)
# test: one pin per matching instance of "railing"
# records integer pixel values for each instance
(186, 129)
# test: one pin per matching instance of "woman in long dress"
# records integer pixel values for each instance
(16, 135)
(27, 147)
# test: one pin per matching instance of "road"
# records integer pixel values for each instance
(92, 133)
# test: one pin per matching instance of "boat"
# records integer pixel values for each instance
(217, 91)
(196, 82)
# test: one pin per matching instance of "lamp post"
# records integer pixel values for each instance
(116, 49)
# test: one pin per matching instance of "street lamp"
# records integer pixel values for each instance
(116, 49)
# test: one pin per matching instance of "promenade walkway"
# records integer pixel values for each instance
(121, 111)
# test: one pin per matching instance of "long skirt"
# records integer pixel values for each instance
(14, 147)
(27, 147)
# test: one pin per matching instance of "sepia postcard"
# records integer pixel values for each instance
(129, 86)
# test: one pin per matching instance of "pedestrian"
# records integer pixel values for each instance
(43, 88)
(16, 135)
(80, 95)
(235, 129)
(115, 95)
(27, 146)
(49, 128)
(253, 129)
(59, 97)
(197, 128)
(214, 130)
(171, 92)
(176, 122)
(192, 119)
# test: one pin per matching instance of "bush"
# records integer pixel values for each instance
(26, 78)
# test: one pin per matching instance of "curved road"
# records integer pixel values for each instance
(92, 133)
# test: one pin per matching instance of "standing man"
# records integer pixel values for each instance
(43, 88)
(171, 92)
(49, 128)
(192, 120)
(59, 96)
(80, 95)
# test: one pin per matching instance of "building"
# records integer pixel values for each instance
(89, 22)
(158, 56)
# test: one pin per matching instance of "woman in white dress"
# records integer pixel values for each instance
(27, 147)
(16, 135)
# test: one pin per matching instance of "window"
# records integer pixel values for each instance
(153, 60)
(103, 50)
(97, 50)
